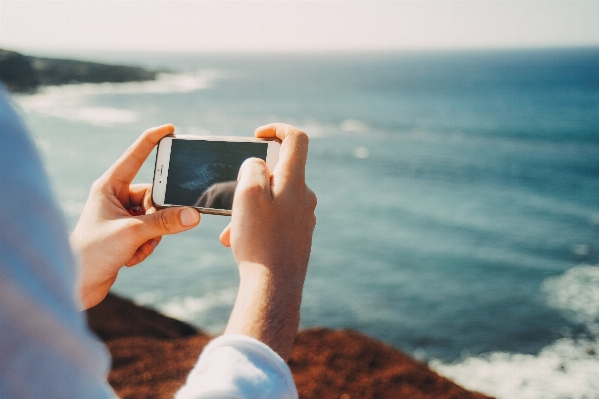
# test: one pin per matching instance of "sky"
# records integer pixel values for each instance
(48, 26)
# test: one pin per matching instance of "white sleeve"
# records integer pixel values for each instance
(46, 349)
(237, 366)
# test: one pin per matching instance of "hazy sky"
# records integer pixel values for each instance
(295, 25)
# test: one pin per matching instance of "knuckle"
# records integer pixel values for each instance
(135, 226)
(251, 189)
(164, 221)
(298, 134)
(302, 137)
(97, 184)
(148, 132)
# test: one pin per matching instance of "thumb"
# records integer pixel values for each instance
(252, 187)
(225, 236)
(254, 176)
(169, 221)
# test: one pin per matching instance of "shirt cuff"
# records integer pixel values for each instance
(238, 366)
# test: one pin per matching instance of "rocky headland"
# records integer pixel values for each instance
(152, 355)
(25, 74)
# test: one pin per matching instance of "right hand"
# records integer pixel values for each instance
(271, 237)
(107, 237)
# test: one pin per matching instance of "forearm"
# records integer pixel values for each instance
(267, 308)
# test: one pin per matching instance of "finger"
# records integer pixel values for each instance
(253, 176)
(253, 186)
(141, 194)
(138, 194)
(294, 149)
(166, 221)
(143, 252)
(225, 236)
(127, 166)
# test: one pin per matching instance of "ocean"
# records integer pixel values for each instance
(458, 197)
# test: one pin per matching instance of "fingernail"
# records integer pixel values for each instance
(189, 217)
(153, 244)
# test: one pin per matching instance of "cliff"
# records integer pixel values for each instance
(21, 73)
(152, 355)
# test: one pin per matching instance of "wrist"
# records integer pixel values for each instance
(267, 308)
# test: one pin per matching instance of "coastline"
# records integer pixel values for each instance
(152, 355)
(25, 74)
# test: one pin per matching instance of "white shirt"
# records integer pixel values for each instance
(46, 348)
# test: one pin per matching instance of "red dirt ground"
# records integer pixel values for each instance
(152, 355)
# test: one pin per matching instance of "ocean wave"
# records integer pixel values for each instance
(69, 101)
(190, 308)
(314, 128)
(353, 125)
(71, 106)
(361, 152)
(568, 368)
(577, 293)
(164, 83)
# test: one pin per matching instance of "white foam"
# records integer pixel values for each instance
(581, 249)
(69, 101)
(353, 125)
(577, 293)
(361, 152)
(189, 308)
(71, 106)
(104, 115)
(564, 369)
(312, 127)
(568, 368)
(164, 83)
(148, 298)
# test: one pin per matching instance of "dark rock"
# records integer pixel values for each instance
(58, 72)
(117, 317)
(22, 73)
(17, 73)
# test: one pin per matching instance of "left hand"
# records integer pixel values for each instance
(107, 237)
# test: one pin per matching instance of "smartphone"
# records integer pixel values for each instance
(201, 171)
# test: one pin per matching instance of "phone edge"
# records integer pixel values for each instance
(208, 211)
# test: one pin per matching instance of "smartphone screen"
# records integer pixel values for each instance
(203, 173)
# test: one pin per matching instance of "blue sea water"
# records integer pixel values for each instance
(458, 196)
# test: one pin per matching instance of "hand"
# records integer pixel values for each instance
(107, 237)
(271, 237)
